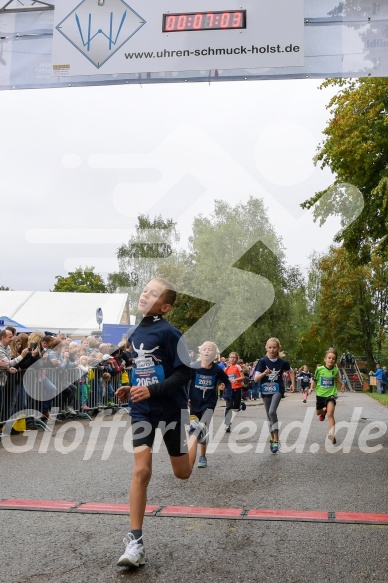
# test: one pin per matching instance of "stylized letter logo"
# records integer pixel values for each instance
(100, 30)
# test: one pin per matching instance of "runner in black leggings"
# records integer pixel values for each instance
(269, 371)
(236, 376)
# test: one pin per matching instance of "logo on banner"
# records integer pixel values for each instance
(99, 29)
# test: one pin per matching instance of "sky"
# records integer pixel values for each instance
(78, 165)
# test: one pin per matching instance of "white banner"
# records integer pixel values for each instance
(115, 37)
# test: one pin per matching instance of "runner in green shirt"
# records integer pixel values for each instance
(325, 382)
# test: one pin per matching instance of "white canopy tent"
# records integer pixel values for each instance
(70, 313)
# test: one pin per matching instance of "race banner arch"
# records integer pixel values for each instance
(62, 43)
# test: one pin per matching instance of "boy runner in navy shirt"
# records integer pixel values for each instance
(206, 375)
(159, 398)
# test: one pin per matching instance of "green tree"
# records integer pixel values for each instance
(344, 301)
(120, 282)
(152, 244)
(188, 309)
(82, 280)
(356, 150)
(227, 249)
(232, 278)
(379, 290)
(352, 311)
(311, 343)
(313, 290)
(299, 317)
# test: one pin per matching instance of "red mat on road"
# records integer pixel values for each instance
(195, 511)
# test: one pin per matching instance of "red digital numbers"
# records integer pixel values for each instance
(209, 20)
(225, 20)
(182, 19)
(169, 23)
(197, 24)
(237, 20)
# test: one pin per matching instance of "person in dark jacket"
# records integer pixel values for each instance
(159, 398)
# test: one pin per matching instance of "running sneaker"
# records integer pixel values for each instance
(274, 446)
(304, 401)
(242, 406)
(331, 438)
(70, 410)
(202, 461)
(198, 429)
(322, 417)
(228, 429)
(134, 554)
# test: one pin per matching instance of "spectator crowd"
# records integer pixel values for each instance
(41, 372)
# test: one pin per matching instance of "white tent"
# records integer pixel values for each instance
(70, 313)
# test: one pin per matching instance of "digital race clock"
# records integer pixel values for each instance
(222, 20)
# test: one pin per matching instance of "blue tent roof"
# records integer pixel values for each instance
(5, 321)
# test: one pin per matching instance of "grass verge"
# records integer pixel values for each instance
(383, 399)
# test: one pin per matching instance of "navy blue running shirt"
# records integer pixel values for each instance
(203, 386)
(272, 383)
(159, 365)
(305, 378)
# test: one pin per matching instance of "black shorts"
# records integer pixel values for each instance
(323, 401)
(174, 434)
(234, 401)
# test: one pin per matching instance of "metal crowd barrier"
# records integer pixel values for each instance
(37, 394)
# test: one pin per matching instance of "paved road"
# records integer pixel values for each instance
(82, 462)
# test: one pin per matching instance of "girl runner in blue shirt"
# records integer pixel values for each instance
(269, 371)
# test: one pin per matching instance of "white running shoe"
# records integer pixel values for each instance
(198, 429)
(134, 554)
